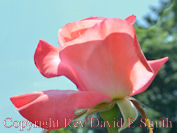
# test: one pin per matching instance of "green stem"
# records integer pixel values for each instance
(110, 116)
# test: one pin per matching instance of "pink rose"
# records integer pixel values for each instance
(101, 56)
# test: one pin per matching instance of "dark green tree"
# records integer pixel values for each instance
(157, 40)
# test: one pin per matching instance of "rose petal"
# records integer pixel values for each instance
(47, 59)
(94, 18)
(131, 19)
(156, 65)
(107, 58)
(73, 30)
(55, 109)
(97, 29)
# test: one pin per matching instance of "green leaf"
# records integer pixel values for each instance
(128, 111)
(110, 116)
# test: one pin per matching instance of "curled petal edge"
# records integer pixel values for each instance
(47, 59)
(155, 65)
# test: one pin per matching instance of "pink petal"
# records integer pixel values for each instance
(73, 30)
(156, 65)
(81, 31)
(48, 62)
(107, 58)
(47, 59)
(94, 18)
(58, 106)
(131, 19)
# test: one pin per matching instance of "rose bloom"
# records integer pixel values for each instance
(101, 56)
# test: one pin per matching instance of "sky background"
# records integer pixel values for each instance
(24, 22)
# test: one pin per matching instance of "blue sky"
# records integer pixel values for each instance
(24, 22)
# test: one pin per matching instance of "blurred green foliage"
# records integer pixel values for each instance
(157, 39)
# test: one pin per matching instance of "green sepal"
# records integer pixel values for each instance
(128, 111)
